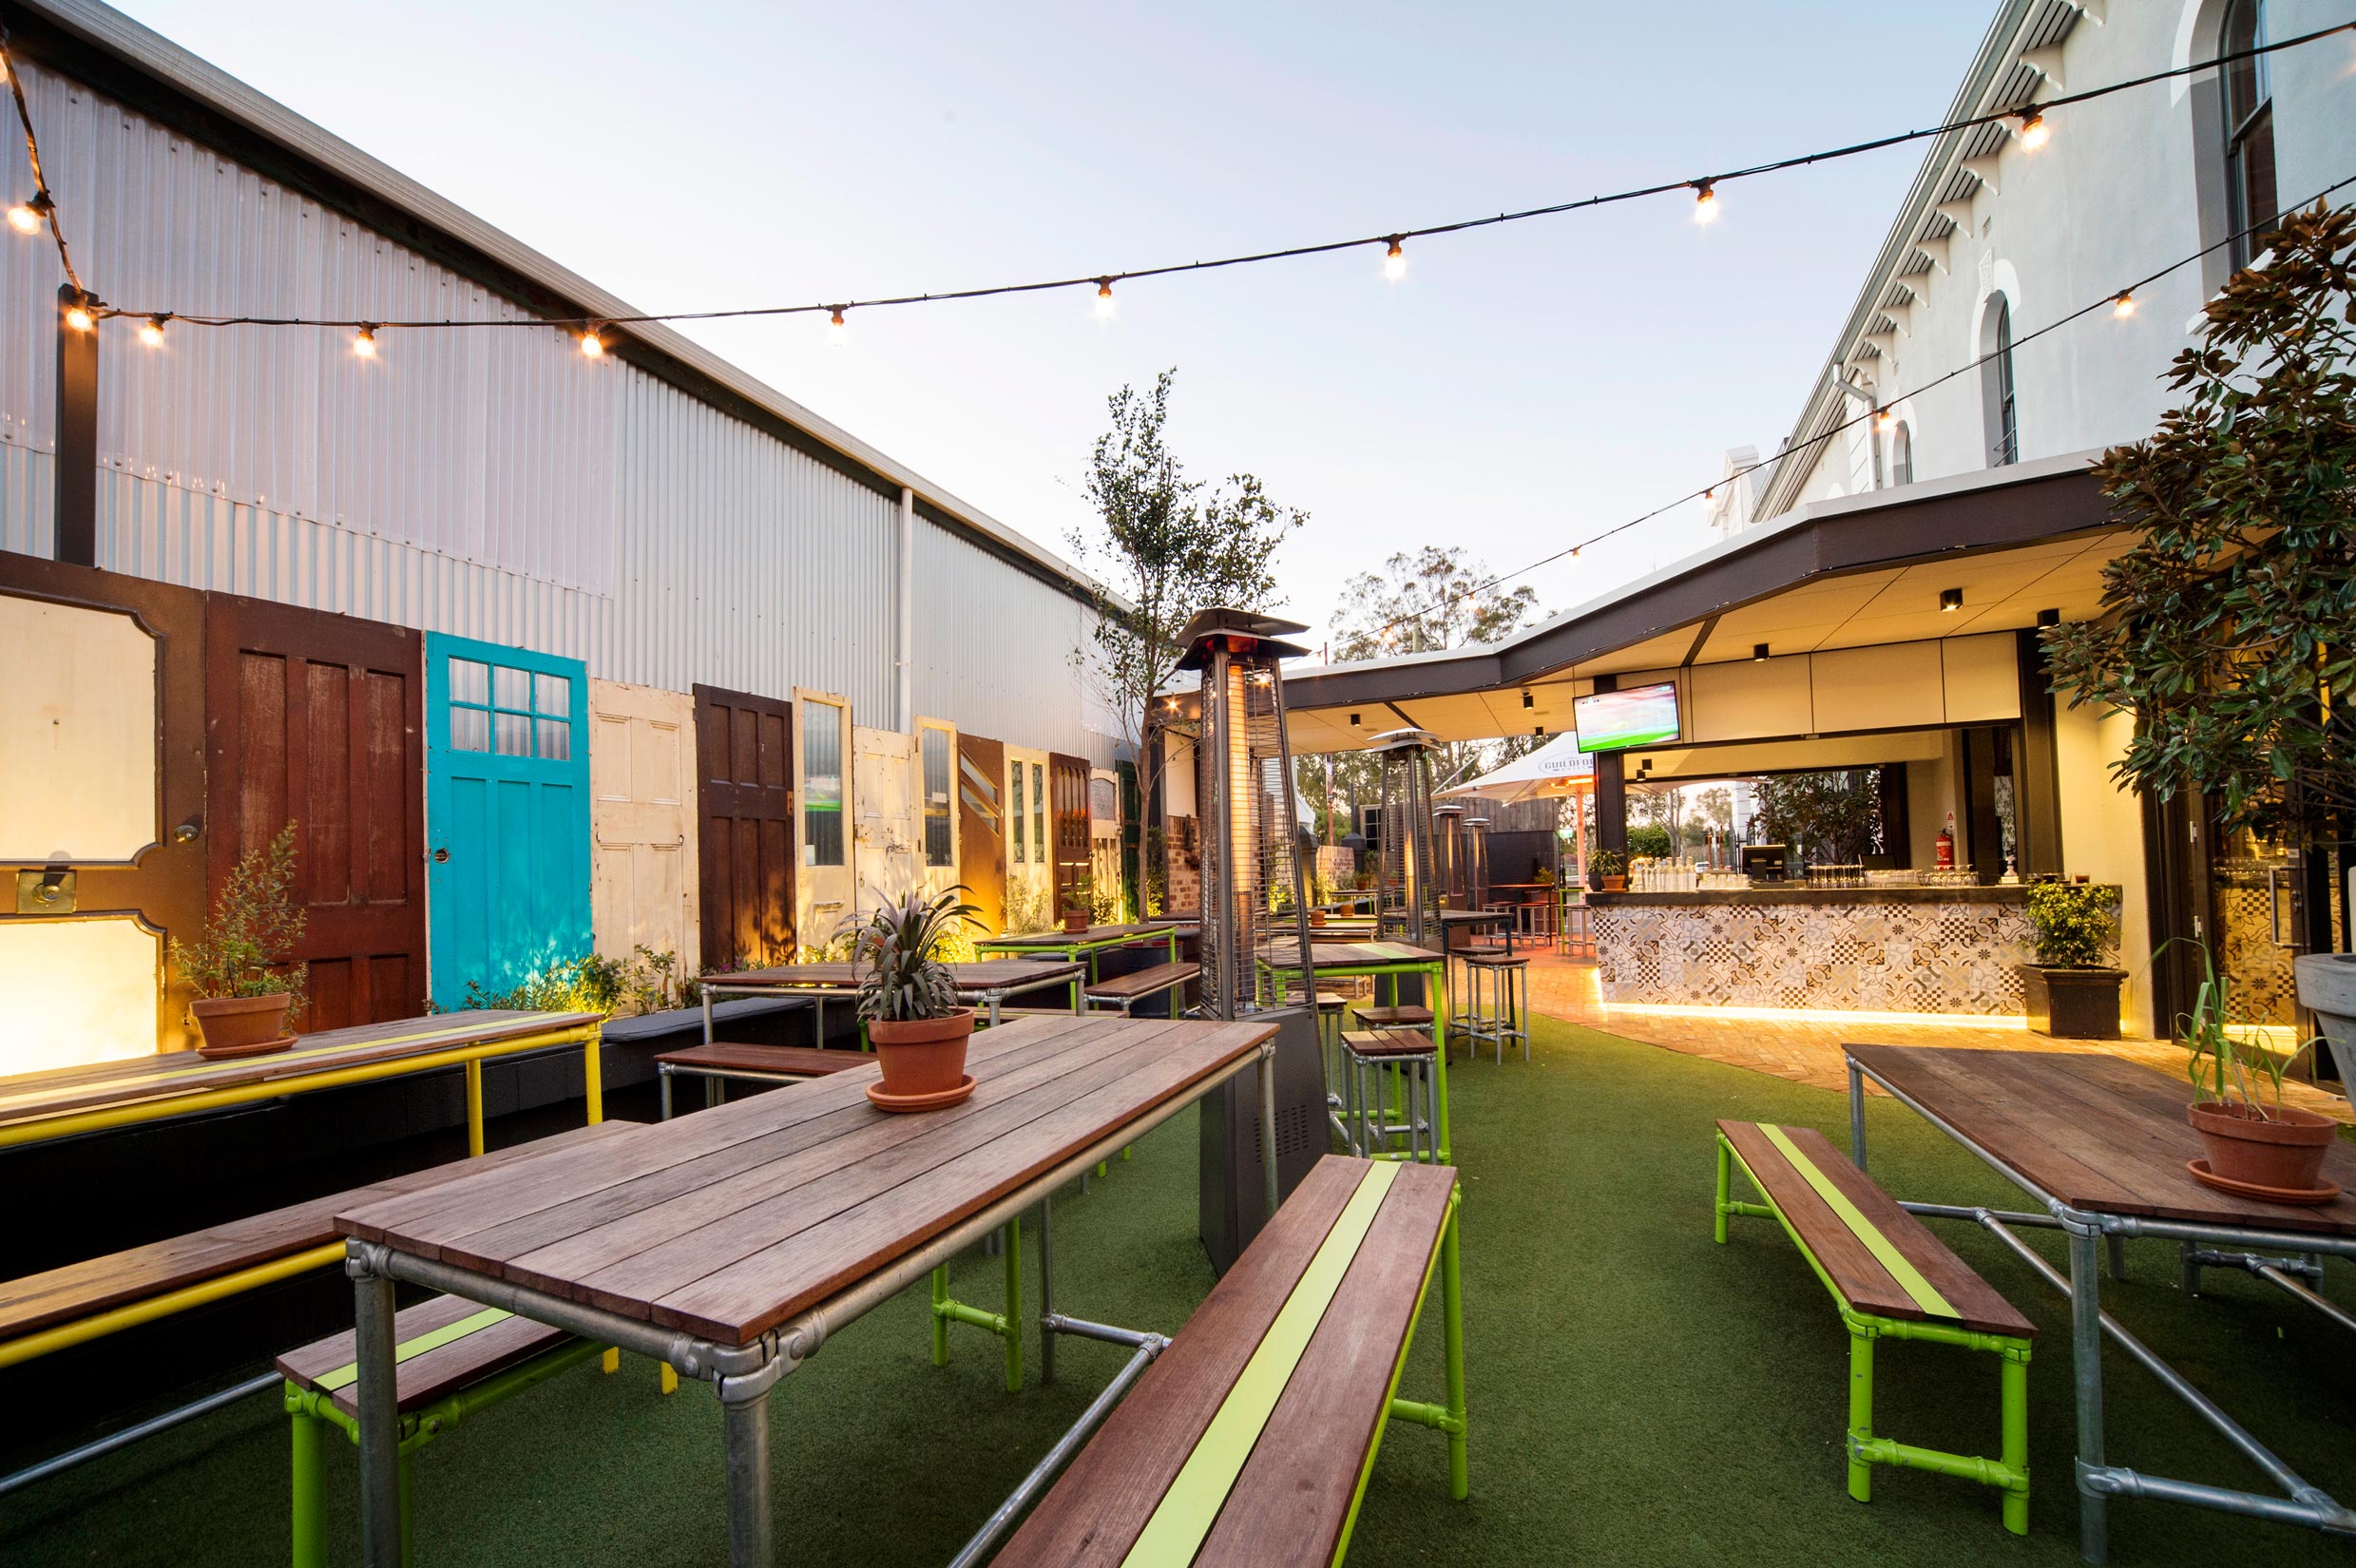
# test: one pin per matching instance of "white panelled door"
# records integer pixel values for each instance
(643, 821)
(888, 839)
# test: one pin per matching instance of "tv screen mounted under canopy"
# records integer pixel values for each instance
(1613, 722)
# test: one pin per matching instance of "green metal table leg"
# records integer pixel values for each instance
(310, 1514)
(1439, 1062)
(1014, 1304)
(940, 1316)
(1859, 1411)
(1726, 1182)
(1452, 1340)
(2016, 1438)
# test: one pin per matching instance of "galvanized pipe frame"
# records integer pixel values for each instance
(742, 1375)
(990, 998)
(2098, 1483)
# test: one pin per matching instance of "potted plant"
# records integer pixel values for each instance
(907, 999)
(2260, 1150)
(1611, 870)
(237, 963)
(2223, 631)
(2071, 992)
(1076, 905)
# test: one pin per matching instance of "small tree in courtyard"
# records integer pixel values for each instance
(2230, 627)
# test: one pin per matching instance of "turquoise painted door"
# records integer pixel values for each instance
(506, 814)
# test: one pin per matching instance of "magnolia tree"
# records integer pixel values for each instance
(2229, 629)
(1164, 547)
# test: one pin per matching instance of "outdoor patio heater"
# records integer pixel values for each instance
(1409, 906)
(1255, 903)
(1450, 860)
(1477, 862)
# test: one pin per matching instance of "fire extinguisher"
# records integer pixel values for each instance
(1947, 844)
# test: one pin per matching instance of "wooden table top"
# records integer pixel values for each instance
(2101, 1133)
(172, 1074)
(1474, 917)
(974, 979)
(728, 1222)
(1342, 955)
(1140, 931)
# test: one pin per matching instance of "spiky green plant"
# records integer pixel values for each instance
(905, 981)
(2221, 1069)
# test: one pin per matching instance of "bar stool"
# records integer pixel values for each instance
(1574, 937)
(1502, 983)
(1412, 1059)
(1329, 1006)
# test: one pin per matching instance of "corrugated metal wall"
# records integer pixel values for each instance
(494, 484)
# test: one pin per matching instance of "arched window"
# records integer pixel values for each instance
(2251, 209)
(1902, 454)
(1996, 382)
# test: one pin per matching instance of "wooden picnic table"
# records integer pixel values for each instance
(1281, 960)
(2103, 1144)
(982, 985)
(732, 1243)
(1085, 944)
(67, 1100)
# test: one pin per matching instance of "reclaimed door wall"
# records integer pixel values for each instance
(981, 827)
(316, 719)
(643, 821)
(1068, 789)
(1031, 877)
(888, 840)
(507, 813)
(101, 810)
(933, 780)
(824, 875)
(744, 810)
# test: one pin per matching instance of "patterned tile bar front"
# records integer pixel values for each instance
(1951, 950)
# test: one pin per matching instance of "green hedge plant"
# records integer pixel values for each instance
(2076, 924)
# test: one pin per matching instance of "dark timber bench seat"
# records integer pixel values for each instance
(452, 1358)
(1894, 1280)
(1250, 1440)
(720, 1060)
(1126, 991)
(47, 1311)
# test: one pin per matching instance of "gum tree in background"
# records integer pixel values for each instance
(1163, 546)
(2230, 627)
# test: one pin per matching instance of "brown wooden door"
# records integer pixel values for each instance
(744, 810)
(982, 828)
(103, 781)
(319, 719)
(1067, 798)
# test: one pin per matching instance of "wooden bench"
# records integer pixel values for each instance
(1894, 1280)
(1126, 991)
(720, 1060)
(1394, 1017)
(1250, 1440)
(67, 1305)
(452, 1358)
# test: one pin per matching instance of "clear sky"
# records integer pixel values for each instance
(1522, 387)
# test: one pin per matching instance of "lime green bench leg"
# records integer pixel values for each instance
(310, 1491)
(2015, 1451)
(1006, 1324)
(1859, 1409)
(1452, 1339)
(940, 1315)
(1014, 1302)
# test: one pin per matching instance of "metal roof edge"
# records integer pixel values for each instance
(150, 52)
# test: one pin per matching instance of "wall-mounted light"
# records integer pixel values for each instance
(1950, 599)
(1528, 701)
(2049, 617)
(1354, 721)
(1538, 729)
(1758, 653)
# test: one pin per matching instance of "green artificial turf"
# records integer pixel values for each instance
(1639, 1395)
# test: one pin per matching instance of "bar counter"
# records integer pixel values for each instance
(1954, 950)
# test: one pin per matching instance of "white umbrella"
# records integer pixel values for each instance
(1558, 768)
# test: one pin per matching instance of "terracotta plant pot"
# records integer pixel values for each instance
(1615, 884)
(1316, 917)
(2285, 1154)
(925, 1055)
(242, 1025)
(1076, 921)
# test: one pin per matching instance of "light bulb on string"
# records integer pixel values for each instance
(151, 331)
(1883, 419)
(592, 346)
(1395, 260)
(2034, 131)
(1705, 201)
(2124, 306)
(80, 318)
(364, 342)
(1103, 299)
(836, 333)
(28, 216)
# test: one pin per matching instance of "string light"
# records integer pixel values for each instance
(2124, 306)
(1883, 420)
(151, 331)
(1395, 260)
(1705, 201)
(2034, 133)
(592, 346)
(1103, 299)
(28, 216)
(80, 318)
(836, 333)
(364, 342)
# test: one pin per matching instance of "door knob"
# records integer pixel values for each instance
(441, 856)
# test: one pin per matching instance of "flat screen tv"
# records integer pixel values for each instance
(1640, 715)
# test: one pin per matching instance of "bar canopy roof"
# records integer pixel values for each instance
(1850, 572)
